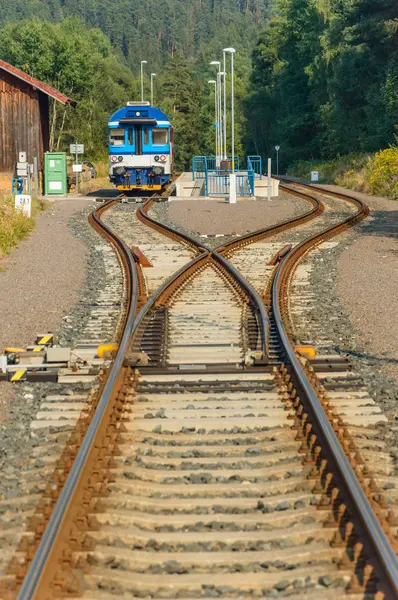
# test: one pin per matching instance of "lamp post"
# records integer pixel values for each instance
(143, 62)
(277, 148)
(214, 82)
(220, 76)
(218, 119)
(232, 51)
(152, 76)
(225, 107)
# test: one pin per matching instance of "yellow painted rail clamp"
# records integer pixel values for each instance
(306, 350)
(14, 350)
(106, 350)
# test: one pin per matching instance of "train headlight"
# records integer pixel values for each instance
(156, 158)
(120, 158)
(114, 158)
(163, 158)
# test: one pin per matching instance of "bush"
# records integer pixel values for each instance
(382, 176)
(330, 171)
(14, 226)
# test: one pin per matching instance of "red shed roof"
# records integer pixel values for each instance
(43, 87)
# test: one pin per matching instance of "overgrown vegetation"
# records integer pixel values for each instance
(372, 173)
(14, 226)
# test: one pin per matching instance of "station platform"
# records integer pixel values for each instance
(186, 187)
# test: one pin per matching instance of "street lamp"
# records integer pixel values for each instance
(214, 82)
(219, 126)
(277, 148)
(143, 62)
(152, 76)
(225, 107)
(232, 51)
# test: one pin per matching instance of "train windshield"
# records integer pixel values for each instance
(116, 137)
(160, 137)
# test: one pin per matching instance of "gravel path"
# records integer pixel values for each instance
(367, 282)
(41, 278)
(218, 217)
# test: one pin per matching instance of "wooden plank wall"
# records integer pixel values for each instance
(22, 112)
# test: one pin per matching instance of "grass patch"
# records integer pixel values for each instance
(14, 226)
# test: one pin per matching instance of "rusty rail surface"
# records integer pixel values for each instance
(378, 536)
(311, 414)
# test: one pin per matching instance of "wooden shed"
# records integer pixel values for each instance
(24, 116)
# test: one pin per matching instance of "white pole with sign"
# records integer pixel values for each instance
(77, 149)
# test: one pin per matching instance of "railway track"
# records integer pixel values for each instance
(218, 468)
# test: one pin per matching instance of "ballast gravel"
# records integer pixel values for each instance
(40, 280)
(216, 217)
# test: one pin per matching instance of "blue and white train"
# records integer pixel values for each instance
(140, 148)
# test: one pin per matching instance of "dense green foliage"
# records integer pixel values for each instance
(153, 30)
(325, 78)
(80, 63)
(178, 39)
(318, 77)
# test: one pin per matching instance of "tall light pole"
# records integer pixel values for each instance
(232, 51)
(152, 76)
(218, 94)
(143, 62)
(220, 76)
(277, 148)
(214, 82)
(225, 107)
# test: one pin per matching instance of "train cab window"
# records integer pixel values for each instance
(146, 136)
(160, 137)
(116, 137)
(131, 137)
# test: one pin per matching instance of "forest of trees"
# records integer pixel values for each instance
(325, 79)
(317, 77)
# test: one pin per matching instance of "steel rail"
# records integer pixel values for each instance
(47, 542)
(63, 505)
(264, 232)
(377, 539)
(263, 321)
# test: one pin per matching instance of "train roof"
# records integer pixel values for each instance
(129, 113)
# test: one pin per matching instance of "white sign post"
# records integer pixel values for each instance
(77, 149)
(314, 176)
(269, 181)
(24, 204)
(232, 188)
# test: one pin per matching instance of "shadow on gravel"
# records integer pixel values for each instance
(384, 224)
(108, 193)
(365, 356)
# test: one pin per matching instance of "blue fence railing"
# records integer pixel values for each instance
(255, 163)
(201, 163)
(217, 183)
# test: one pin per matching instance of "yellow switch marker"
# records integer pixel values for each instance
(307, 351)
(18, 375)
(106, 349)
(45, 339)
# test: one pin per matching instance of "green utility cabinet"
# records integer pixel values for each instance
(55, 177)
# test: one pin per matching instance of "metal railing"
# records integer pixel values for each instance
(201, 163)
(218, 182)
(255, 163)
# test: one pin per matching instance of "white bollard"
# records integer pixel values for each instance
(269, 180)
(232, 188)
